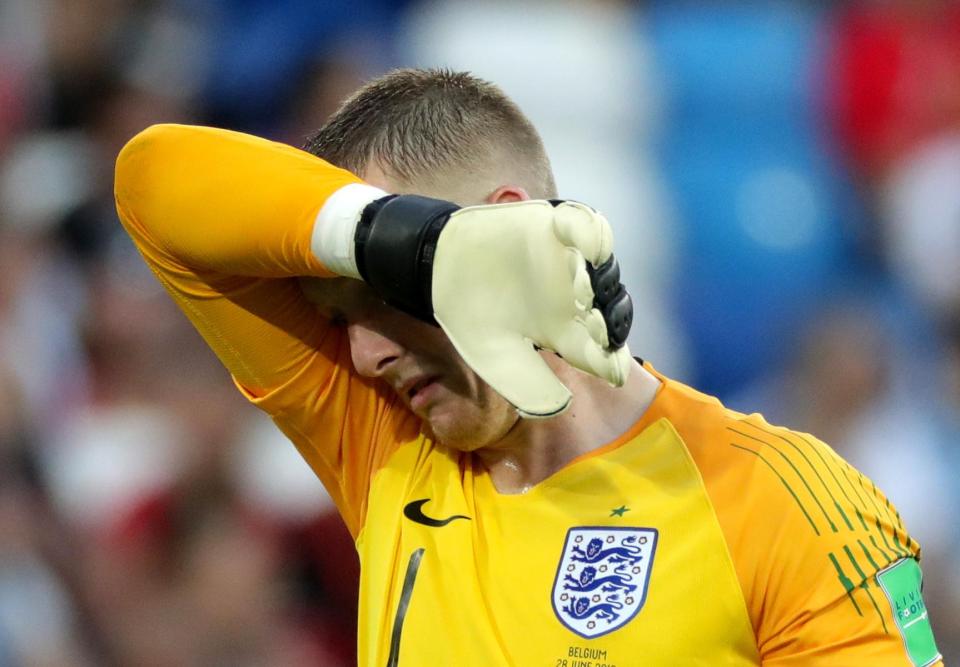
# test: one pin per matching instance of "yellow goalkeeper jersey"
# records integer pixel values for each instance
(699, 537)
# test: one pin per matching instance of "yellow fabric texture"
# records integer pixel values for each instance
(483, 593)
(767, 544)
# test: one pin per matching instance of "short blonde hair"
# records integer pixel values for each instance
(421, 124)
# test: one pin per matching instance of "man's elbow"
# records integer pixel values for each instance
(140, 158)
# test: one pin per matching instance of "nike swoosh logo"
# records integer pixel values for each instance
(414, 512)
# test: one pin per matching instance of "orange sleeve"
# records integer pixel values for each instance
(225, 222)
(827, 531)
(807, 534)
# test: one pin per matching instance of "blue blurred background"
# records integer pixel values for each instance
(783, 179)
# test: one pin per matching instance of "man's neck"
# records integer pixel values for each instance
(534, 449)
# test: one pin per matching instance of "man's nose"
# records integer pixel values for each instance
(373, 351)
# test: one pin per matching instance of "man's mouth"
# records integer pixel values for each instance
(418, 391)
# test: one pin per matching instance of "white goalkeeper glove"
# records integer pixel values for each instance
(501, 280)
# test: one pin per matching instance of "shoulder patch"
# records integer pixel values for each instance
(902, 584)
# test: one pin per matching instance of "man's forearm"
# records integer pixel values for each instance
(218, 216)
(224, 202)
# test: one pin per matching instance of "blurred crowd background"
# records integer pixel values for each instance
(783, 178)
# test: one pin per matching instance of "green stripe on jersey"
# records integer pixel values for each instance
(902, 584)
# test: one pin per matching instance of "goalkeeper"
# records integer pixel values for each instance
(451, 365)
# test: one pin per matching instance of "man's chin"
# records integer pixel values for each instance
(462, 433)
(452, 430)
(453, 437)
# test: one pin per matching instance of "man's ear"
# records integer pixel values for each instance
(507, 194)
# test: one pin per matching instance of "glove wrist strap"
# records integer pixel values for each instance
(395, 242)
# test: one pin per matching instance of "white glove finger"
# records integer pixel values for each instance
(514, 369)
(540, 394)
(613, 366)
(579, 226)
(596, 326)
(618, 364)
(582, 287)
(579, 349)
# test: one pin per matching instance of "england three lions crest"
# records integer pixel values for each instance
(602, 577)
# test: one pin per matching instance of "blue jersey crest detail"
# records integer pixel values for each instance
(602, 577)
